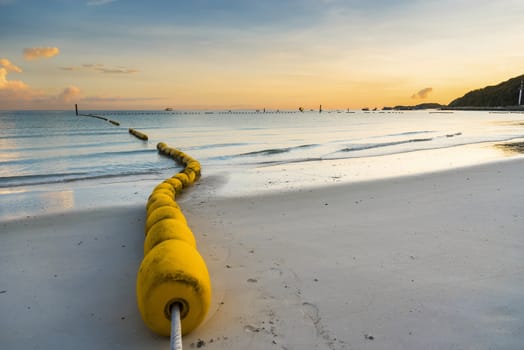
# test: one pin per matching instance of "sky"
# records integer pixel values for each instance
(242, 54)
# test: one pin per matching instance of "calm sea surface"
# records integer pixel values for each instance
(51, 159)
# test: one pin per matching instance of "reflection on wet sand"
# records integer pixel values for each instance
(35, 202)
(512, 147)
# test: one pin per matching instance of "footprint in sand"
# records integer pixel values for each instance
(251, 329)
(274, 273)
(311, 312)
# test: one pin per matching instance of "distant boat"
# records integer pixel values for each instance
(365, 109)
(168, 109)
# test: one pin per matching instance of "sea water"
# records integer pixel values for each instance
(54, 160)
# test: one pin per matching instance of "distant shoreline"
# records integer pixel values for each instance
(427, 106)
(506, 108)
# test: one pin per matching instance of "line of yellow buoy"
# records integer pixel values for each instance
(173, 287)
(114, 122)
(172, 273)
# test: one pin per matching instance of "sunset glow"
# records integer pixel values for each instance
(249, 55)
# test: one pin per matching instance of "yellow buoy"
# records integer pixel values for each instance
(183, 178)
(155, 196)
(167, 212)
(164, 191)
(175, 183)
(173, 272)
(161, 203)
(160, 146)
(191, 175)
(173, 286)
(164, 186)
(168, 229)
(194, 165)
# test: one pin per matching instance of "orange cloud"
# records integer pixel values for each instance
(100, 68)
(10, 67)
(69, 94)
(15, 94)
(40, 52)
(10, 85)
(422, 93)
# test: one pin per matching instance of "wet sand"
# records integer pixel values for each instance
(433, 261)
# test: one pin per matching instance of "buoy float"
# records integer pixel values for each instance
(168, 229)
(164, 212)
(138, 134)
(173, 273)
(173, 286)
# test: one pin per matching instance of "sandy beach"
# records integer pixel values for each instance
(433, 261)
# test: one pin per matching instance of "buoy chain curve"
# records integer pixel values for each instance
(172, 271)
(114, 122)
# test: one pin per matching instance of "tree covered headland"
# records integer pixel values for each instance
(505, 94)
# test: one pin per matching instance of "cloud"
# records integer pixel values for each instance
(10, 86)
(92, 65)
(100, 68)
(10, 67)
(422, 93)
(118, 70)
(99, 2)
(40, 52)
(15, 94)
(69, 94)
(97, 99)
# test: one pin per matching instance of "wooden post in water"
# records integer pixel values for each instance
(76, 109)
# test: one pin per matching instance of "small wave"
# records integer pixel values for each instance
(380, 145)
(46, 148)
(19, 180)
(272, 151)
(251, 128)
(75, 156)
(31, 180)
(124, 153)
(95, 132)
(407, 133)
(216, 145)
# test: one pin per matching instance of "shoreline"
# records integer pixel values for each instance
(248, 180)
(291, 177)
(431, 260)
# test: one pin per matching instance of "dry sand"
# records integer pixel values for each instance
(433, 261)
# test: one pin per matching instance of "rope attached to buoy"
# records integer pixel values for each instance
(114, 122)
(176, 328)
(173, 284)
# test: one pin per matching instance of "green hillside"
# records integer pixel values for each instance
(505, 94)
